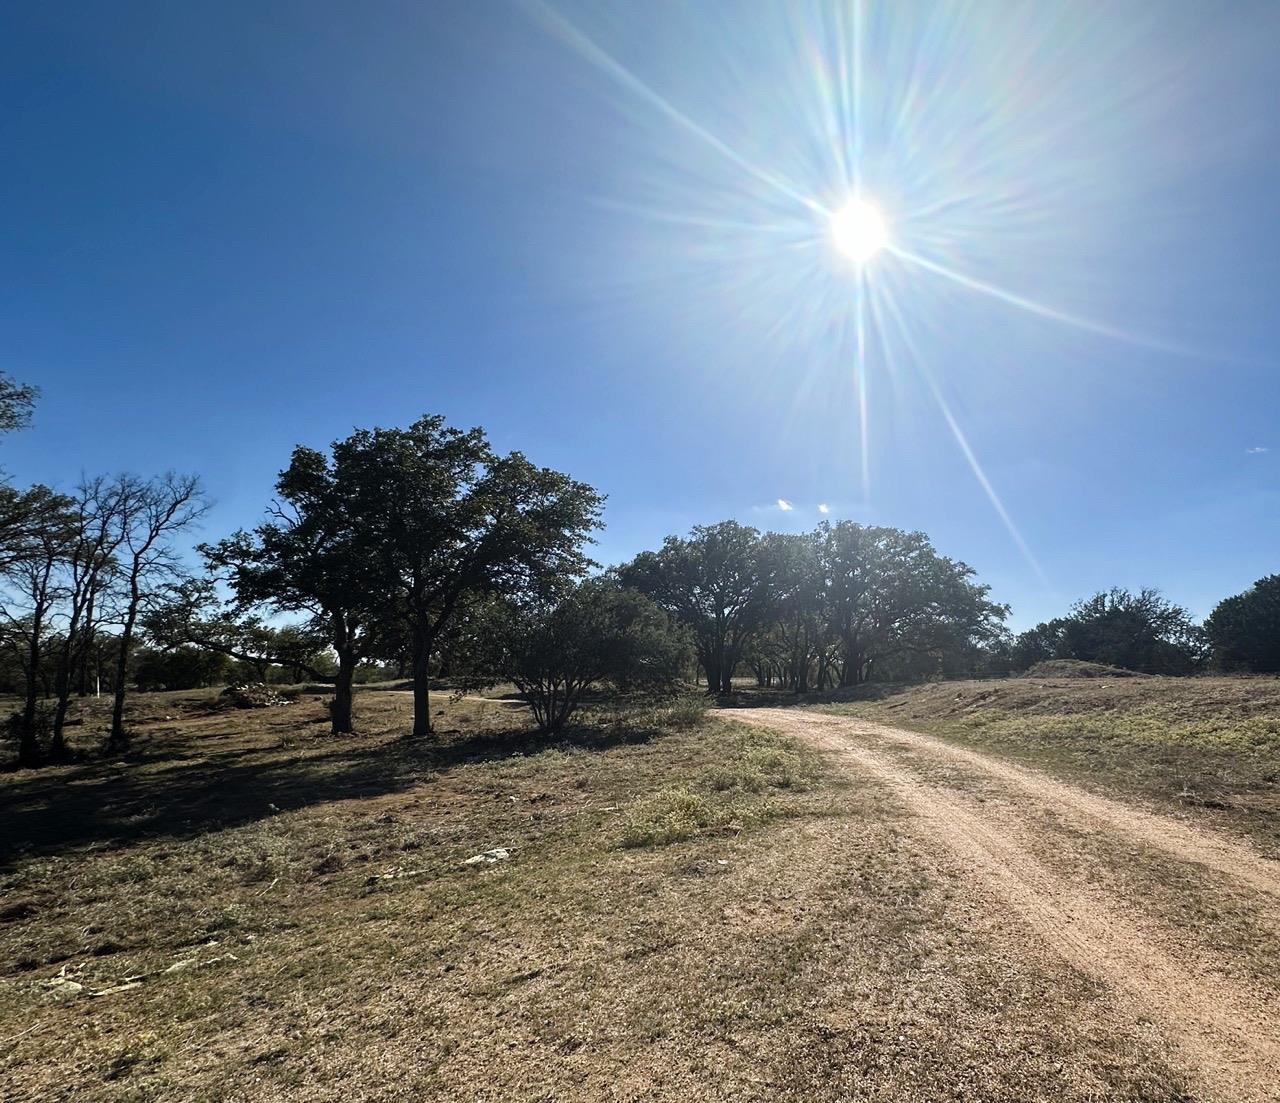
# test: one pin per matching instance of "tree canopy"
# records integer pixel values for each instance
(1244, 630)
(718, 582)
(595, 633)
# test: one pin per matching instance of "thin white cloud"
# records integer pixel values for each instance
(823, 507)
(1256, 451)
(785, 506)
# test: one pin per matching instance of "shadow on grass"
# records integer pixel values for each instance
(112, 803)
(752, 697)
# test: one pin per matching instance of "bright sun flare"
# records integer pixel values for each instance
(858, 230)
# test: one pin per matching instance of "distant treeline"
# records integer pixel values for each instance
(421, 553)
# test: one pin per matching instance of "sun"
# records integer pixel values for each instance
(859, 231)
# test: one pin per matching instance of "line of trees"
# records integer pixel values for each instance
(833, 607)
(81, 566)
(424, 553)
(1145, 632)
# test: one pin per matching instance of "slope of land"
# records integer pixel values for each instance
(1200, 745)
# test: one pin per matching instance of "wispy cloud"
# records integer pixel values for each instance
(1257, 450)
(823, 507)
(785, 506)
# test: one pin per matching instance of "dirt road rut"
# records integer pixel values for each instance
(1225, 1031)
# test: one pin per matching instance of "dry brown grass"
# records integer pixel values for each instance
(794, 942)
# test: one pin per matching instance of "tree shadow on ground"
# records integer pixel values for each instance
(760, 697)
(111, 804)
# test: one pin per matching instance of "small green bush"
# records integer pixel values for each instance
(685, 713)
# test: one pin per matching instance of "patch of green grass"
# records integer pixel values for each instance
(742, 788)
(670, 815)
(636, 722)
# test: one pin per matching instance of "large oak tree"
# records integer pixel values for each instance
(451, 518)
(717, 582)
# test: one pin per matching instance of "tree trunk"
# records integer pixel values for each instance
(28, 747)
(28, 741)
(58, 743)
(713, 677)
(340, 709)
(62, 688)
(82, 671)
(421, 685)
(118, 740)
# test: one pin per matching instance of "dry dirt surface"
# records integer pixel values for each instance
(1087, 878)
(246, 909)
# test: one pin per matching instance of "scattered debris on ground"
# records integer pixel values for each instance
(497, 854)
(252, 695)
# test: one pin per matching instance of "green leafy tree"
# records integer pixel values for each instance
(792, 648)
(718, 583)
(178, 668)
(595, 634)
(1141, 631)
(888, 595)
(451, 519)
(1245, 629)
(191, 615)
(1039, 644)
(317, 556)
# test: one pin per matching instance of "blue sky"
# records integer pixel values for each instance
(600, 232)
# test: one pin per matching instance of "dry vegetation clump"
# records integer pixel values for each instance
(746, 787)
(251, 695)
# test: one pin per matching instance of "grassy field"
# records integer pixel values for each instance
(1208, 745)
(688, 908)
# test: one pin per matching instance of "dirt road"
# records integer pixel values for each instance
(1076, 869)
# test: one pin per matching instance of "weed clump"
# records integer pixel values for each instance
(743, 789)
(685, 713)
(668, 816)
(633, 723)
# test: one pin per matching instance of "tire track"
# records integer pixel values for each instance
(1228, 1035)
(1183, 841)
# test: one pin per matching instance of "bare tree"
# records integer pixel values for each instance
(149, 513)
(33, 589)
(96, 514)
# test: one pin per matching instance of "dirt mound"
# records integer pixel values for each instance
(1076, 668)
